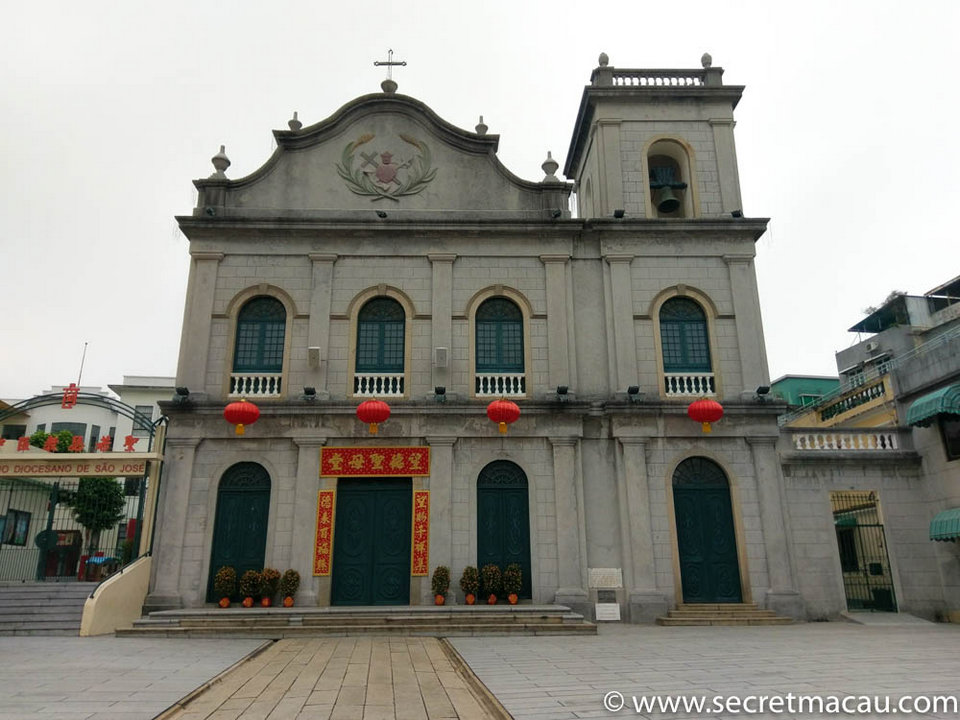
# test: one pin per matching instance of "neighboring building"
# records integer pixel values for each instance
(799, 391)
(143, 393)
(384, 253)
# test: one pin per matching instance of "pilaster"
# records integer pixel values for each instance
(624, 337)
(197, 321)
(441, 310)
(727, 172)
(746, 308)
(646, 604)
(441, 500)
(571, 571)
(318, 330)
(305, 516)
(171, 524)
(782, 596)
(558, 330)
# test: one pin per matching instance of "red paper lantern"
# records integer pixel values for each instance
(503, 412)
(373, 412)
(705, 411)
(241, 413)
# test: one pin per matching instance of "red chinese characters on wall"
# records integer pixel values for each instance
(420, 545)
(375, 461)
(70, 396)
(323, 541)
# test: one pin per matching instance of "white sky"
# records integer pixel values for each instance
(108, 110)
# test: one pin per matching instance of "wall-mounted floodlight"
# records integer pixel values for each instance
(562, 391)
(309, 393)
(736, 213)
(440, 394)
(182, 396)
(557, 212)
(633, 393)
(381, 214)
(619, 213)
(762, 392)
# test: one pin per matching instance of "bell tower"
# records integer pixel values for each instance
(656, 144)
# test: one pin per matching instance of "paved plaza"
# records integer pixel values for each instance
(534, 678)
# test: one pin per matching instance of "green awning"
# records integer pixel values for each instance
(945, 401)
(946, 525)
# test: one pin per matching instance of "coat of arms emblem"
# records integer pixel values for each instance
(384, 174)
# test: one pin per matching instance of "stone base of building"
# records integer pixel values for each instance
(154, 603)
(788, 604)
(646, 607)
(577, 600)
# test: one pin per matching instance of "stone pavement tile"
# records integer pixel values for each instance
(379, 712)
(347, 712)
(287, 709)
(315, 712)
(352, 695)
(412, 709)
(322, 697)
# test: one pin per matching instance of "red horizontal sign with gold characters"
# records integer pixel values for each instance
(323, 541)
(420, 547)
(374, 461)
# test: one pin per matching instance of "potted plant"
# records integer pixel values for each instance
(470, 584)
(269, 582)
(492, 580)
(512, 582)
(440, 583)
(249, 587)
(225, 585)
(289, 584)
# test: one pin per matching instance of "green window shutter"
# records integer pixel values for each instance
(499, 333)
(683, 337)
(261, 329)
(380, 337)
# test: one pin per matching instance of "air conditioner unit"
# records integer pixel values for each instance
(873, 346)
(313, 356)
(440, 355)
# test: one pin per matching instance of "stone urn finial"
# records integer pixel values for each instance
(388, 86)
(481, 127)
(604, 59)
(706, 60)
(550, 167)
(220, 163)
(294, 122)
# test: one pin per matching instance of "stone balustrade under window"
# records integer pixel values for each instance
(251, 385)
(853, 439)
(500, 384)
(689, 384)
(378, 385)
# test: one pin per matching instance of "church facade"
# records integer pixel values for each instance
(382, 253)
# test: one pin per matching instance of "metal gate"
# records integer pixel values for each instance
(864, 561)
(68, 528)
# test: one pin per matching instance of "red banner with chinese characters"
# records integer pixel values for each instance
(374, 461)
(323, 540)
(420, 545)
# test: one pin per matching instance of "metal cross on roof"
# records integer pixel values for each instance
(389, 62)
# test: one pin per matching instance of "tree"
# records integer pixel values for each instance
(97, 505)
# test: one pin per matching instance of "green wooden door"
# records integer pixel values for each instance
(240, 525)
(371, 542)
(709, 568)
(503, 519)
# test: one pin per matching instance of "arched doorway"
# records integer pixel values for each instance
(240, 526)
(503, 519)
(709, 568)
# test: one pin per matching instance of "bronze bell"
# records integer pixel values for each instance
(667, 202)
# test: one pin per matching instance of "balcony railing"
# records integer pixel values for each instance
(847, 440)
(689, 384)
(378, 385)
(497, 384)
(862, 396)
(255, 384)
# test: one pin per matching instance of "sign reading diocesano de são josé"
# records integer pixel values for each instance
(374, 461)
(76, 465)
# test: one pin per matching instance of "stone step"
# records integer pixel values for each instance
(721, 613)
(42, 608)
(288, 631)
(716, 606)
(697, 622)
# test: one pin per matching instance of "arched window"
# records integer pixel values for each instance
(261, 328)
(499, 327)
(380, 337)
(683, 336)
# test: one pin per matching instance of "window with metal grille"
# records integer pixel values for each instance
(143, 416)
(499, 326)
(683, 336)
(380, 336)
(261, 328)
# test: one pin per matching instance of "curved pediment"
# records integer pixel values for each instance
(381, 151)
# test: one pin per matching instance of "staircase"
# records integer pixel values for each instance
(44, 608)
(416, 620)
(722, 614)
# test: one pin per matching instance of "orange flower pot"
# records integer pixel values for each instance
(224, 602)
(288, 601)
(512, 598)
(247, 602)
(492, 600)
(439, 599)
(266, 602)
(470, 598)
